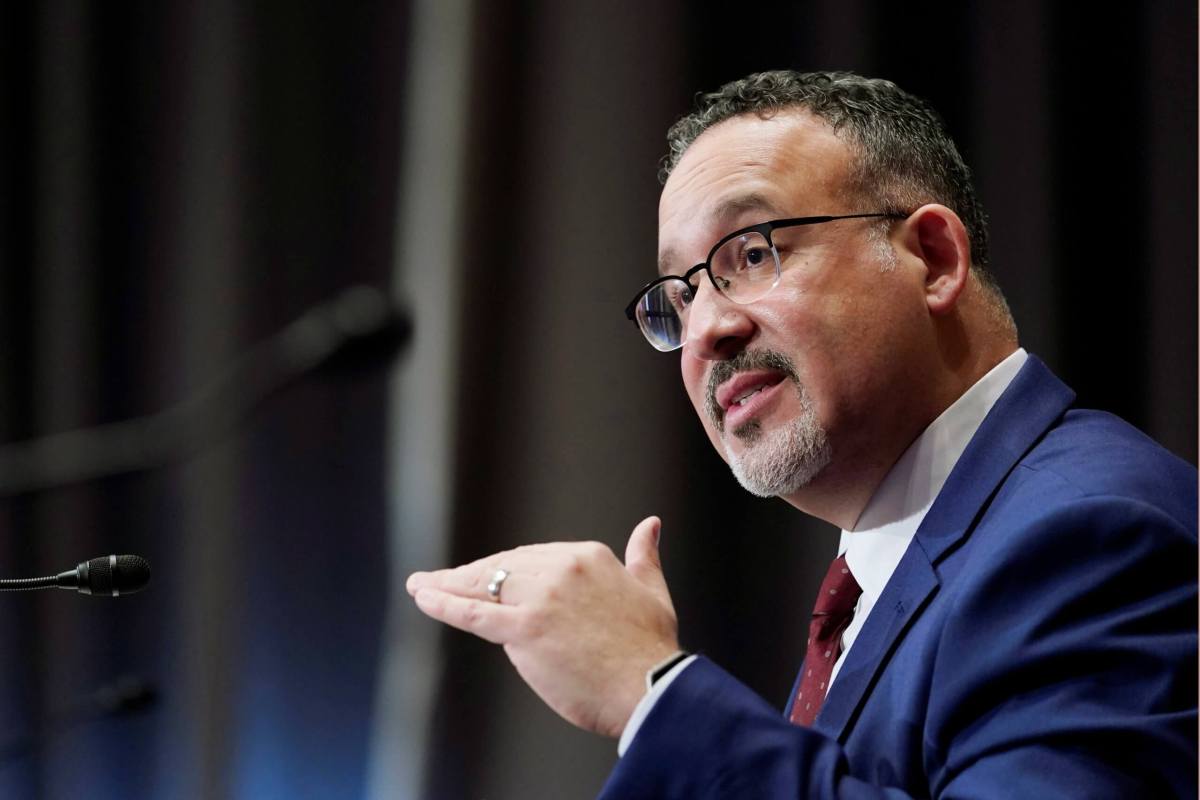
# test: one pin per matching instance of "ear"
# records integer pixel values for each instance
(937, 237)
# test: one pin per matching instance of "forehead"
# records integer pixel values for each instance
(745, 170)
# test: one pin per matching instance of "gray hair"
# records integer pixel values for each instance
(905, 158)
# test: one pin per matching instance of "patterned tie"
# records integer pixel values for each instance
(834, 608)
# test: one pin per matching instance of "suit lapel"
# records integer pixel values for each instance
(1032, 403)
(911, 586)
(1029, 406)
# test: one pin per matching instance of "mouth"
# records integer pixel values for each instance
(746, 397)
(740, 390)
(743, 387)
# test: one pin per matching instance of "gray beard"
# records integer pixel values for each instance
(781, 461)
(784, 460)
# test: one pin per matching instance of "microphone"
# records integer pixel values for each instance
(107, 575)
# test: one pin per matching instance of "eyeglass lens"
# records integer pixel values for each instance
(744, 269)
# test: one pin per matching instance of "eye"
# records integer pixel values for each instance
(755, 257)
(679, 294)
(746, 255)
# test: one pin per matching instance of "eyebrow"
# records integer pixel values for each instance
(735, 206)
(721, 216)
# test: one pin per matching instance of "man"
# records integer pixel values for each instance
(1013, 609)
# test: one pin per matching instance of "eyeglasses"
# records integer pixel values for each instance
(743, 266)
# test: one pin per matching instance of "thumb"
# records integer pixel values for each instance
(641, 556)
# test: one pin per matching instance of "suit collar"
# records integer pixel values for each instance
(1034, 401)
(1028, 408)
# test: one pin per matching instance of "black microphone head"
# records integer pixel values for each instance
(114, 575)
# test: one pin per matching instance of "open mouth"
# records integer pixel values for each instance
(746, 395)
(743, 398)
(743, 386)
(740, 390)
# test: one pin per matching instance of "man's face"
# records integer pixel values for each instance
(795, 384)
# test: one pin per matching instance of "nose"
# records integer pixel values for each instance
(717, 328)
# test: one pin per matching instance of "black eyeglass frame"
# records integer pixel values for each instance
(764, 229)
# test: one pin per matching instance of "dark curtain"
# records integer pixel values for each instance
(181, 180)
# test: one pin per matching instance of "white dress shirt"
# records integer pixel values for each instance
(888, 523)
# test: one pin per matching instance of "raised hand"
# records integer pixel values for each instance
(580, 627)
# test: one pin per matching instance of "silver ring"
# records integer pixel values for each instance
(493, 588)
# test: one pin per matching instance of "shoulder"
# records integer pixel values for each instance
(1093, 516)
(1091, 463)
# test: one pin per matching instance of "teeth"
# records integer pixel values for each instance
(741, 401)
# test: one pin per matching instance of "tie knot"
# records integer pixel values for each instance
(839, 591)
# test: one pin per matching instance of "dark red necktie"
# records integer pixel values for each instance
(831, 615)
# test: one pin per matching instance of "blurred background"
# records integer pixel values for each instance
(182, 180)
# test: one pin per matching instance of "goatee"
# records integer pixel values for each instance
(772, 462)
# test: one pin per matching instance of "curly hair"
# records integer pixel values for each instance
(904, 157)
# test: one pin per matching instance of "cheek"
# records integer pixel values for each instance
(811, 324)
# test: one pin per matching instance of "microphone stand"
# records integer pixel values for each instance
(359, 325)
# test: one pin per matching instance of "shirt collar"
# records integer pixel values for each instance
(891, 517)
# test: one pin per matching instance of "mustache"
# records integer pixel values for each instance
(742, 362)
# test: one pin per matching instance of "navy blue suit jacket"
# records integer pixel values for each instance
(1037, 640)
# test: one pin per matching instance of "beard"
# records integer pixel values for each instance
(780, 461)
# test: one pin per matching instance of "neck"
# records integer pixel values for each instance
(840, 493)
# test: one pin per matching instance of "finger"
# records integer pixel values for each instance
(642, 556)
(487, 620)
(471, 580)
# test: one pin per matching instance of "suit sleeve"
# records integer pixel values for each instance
(709, 736)
(1065, 667)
